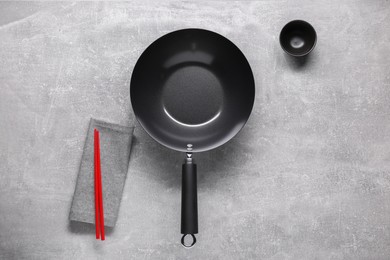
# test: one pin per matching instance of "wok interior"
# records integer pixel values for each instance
(192, 87)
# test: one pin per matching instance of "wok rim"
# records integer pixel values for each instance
(211, 146)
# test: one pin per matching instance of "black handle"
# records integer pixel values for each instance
(189, 202)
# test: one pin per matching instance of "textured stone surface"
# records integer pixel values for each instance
(307, 178)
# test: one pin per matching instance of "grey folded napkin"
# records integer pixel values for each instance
(115, 145)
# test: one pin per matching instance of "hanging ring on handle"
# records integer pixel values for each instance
(193, 240)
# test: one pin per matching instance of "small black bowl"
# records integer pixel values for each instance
(298, 38)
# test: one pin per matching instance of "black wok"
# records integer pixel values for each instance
(192, 90)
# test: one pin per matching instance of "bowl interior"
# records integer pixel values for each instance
(298, 38)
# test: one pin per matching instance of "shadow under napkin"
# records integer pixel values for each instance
(86, 228)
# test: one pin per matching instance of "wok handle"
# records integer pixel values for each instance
(189, 202)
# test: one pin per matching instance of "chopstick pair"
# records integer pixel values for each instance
(99, 212)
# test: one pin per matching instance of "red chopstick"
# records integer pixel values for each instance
(99, 213)
(100, 190)
(97, 230)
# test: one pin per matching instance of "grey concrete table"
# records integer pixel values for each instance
(307, 178)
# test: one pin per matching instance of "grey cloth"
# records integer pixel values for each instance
(115, 145)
